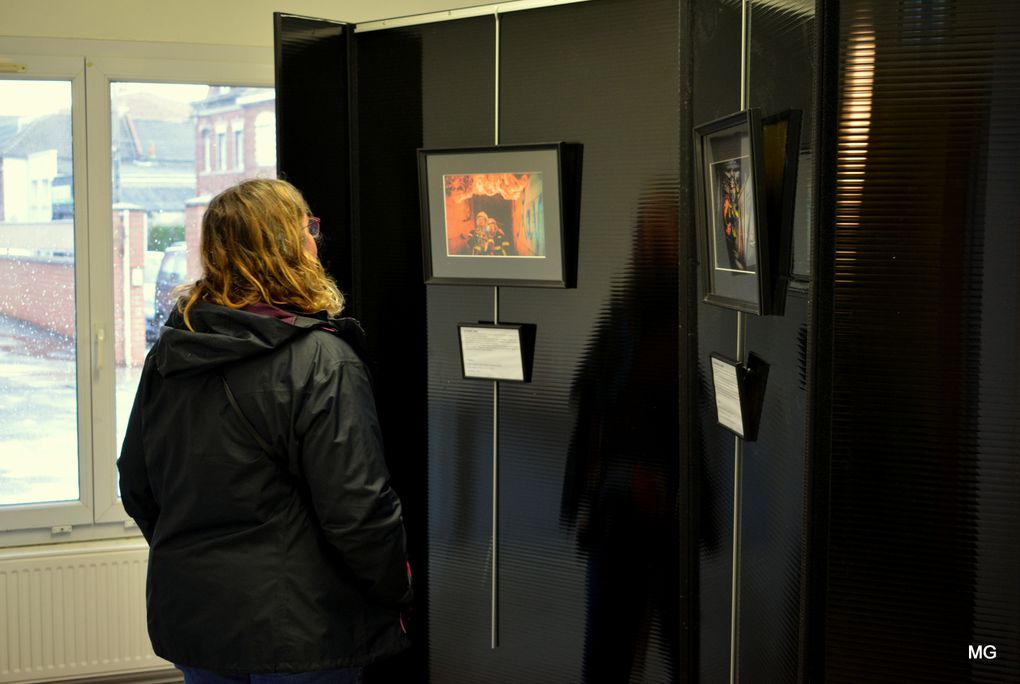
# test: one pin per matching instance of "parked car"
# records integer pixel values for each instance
(150, 270)
(172, 272)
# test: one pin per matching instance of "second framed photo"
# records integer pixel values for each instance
(495, 215)
(732, 212)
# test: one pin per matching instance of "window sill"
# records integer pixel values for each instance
(72, 548)
(41, 542)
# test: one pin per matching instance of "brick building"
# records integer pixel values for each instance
(235, 138)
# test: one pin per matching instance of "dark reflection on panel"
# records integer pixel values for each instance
(924, 505)
(621, 479)
(600, 474)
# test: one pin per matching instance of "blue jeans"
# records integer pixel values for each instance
(351, 675)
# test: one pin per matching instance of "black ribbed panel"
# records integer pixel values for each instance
(390, 293)
(716, 83)
(782, 46)
(313, 128)
(782, 76)
(375, 255)
(457, 67)
(590, 447)
(589, 553)
(589, 542)
(925, 520)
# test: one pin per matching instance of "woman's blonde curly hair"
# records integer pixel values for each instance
(253, 250)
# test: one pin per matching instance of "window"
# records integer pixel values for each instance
(39, 369)
(94, 220)
(206, 151)
(265, 138)
(221, 150)
(158, 202)
(239, 147)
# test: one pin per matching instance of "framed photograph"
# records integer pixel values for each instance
(731, 206)
(494, 215)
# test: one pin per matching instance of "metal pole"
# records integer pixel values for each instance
(495, 493)
(738, 443)
(495, 410)
(496, 108)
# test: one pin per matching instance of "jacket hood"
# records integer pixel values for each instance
(222, 336)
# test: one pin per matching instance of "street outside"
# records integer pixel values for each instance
(38, 414)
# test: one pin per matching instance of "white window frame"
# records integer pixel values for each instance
(99, 513)
(56, 514)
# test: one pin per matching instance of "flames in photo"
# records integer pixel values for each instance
(734, 215)
(494, 214)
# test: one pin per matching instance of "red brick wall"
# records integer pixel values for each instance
(42, 293)
(38, 292)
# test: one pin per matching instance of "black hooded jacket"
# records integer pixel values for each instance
(256, 564)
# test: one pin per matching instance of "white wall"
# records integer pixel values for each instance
(15, 189)
(222, 22)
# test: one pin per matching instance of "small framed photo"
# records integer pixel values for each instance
(496, 352)
(495, 215)
(732, 211)
(739, 393)
(727, 375)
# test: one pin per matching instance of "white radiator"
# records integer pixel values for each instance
(74, 612)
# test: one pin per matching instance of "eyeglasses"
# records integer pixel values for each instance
(314, 225)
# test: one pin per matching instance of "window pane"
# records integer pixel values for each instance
(38, 386)
(170, 157)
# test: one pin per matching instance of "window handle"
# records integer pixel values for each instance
(100, 348)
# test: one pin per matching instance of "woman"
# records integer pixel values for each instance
(253, 464)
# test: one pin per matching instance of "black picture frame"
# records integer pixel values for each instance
(497, 215)
(780, 162)
(803, 221)
(733, 214)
